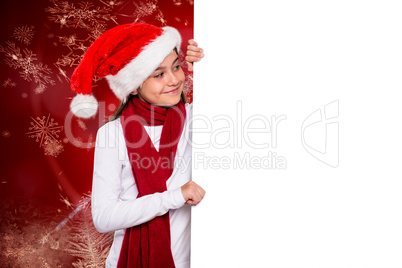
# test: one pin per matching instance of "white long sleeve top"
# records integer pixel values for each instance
(115, 205)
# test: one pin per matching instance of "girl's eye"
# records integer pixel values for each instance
(158, 75)
(177, 67)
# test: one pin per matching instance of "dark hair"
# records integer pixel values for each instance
(124, 104)
(121, 108)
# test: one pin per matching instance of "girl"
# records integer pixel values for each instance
(142, 186)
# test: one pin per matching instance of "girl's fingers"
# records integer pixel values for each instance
(192, 59)
(192, 42)
(194, 53)
(194, 56)
(194, 48)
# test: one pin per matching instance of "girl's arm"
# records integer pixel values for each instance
(110, 178)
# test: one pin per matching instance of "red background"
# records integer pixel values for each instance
(44, 178)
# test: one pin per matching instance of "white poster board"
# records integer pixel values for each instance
(297, 134)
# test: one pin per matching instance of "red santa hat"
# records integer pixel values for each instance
(126, 56)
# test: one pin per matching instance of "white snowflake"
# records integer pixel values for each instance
(96, 31)
(63, 75)
(160, 18)
(53, 148)
(9, 83)
(177, 2)
(144, 9)
(112, 3)
(188, 84)
(90, 247)
(84, 16)
(71, 42)
(24, 34)
(25, 61)
(45, 130)
(6, 134)
(70, 60)
(39, 89)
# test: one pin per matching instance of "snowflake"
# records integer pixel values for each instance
(68, 41)
(66, 201)
(15, 59)
(82, 124)
(188, 84)
(70, 60)
(90, 247)
(39, 89)
(189, 99)
(73, 43)
(85, 16)
(18, 252)
(45, 130)
(47, 238)
(24, 34)
(177, 2)
(6, 134)
(112, 3)
(160, 18)
(63, 75)
(53, 148)
(96, 31)
(144, 9)
(82, 15)
(9, 82)
(187, 89)
(30, 71)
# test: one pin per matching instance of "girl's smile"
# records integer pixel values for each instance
(173, 91)
(165, 85)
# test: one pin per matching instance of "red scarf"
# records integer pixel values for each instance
(148, 244)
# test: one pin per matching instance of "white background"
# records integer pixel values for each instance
(291, 58)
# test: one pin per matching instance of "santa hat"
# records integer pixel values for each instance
(126, 56)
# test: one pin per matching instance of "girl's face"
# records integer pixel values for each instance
(164, 86)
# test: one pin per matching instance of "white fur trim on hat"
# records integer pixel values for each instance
(128, 79)
(84, 106)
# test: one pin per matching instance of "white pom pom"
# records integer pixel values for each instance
(84, 106)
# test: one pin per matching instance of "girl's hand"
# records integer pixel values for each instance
(192, 193)
(194, 54)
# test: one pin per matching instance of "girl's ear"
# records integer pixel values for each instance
(138, 89)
